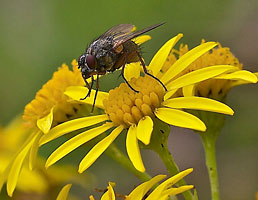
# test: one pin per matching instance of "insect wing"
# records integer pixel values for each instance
(118, 31)
(125, 37)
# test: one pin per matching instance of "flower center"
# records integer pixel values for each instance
(126, 107)
(212, 88)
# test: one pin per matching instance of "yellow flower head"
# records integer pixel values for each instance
(143, 192)
(135, 112)
(40, 182)
(126, 107)
(219, 86)
(51, 97)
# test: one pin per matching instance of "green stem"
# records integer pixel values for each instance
(158, 144)
(117, 155)
(209, 145)
(172, 168)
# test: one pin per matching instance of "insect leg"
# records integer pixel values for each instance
(96, 92)
(146, 71)
(89, 86)
(122, 73)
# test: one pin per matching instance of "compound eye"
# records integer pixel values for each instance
(91, 61)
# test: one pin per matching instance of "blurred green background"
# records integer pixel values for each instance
(38, 36)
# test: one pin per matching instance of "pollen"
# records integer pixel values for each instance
(126, 107)
(51, 95)
(217, 56)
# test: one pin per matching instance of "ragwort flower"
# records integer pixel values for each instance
(143, 192)
(49, 108)
(125, 109)
(217, 87)
(33, 184)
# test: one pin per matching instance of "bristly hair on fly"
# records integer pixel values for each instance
(111, 51)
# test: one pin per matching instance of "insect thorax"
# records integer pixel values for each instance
(102, 49)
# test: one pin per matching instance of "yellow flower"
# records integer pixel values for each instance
(51, 102)
(135, 111)
(142, 192)
(217, 87)
(49, 108)
(40, 182)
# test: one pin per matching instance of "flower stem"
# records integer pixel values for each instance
(172, 168)
(210, 155)
(214, 123)
(158, 144)
(117, 155)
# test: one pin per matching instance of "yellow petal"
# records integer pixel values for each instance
(98, 149)
(17, 166)
(241, 75)
(198, 103)
(144, 129)
(169, 94)
(180, 118)
(63, 194)
(139, 192)
(199, 75)
(160, 57)
(175, 191)
(132, 70)
(34, 151)
(141, 39)
(45, 123)
(189, 90)
(109, 194)
(72, 125)
(184, 61)
(75, 142)
(133, 150)
(78, 92)
(168, 183)
(91, 197)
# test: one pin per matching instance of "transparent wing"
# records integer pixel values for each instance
(118, 31)
(121, 38)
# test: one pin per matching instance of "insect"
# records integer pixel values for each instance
(111, 51)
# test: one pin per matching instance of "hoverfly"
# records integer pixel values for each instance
(111, 51)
